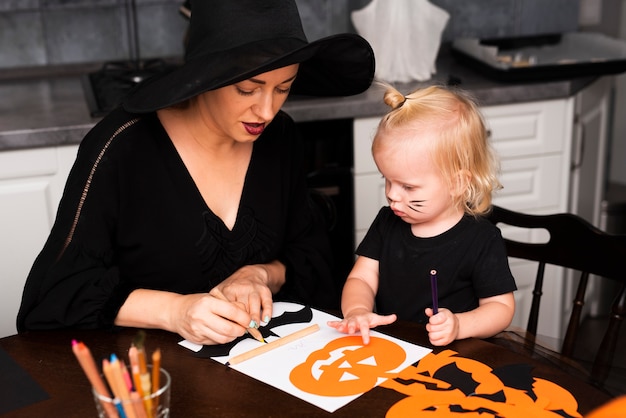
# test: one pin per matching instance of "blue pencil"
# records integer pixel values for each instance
(433, 288)
(120, 408)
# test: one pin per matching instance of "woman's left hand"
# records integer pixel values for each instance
(249, 286)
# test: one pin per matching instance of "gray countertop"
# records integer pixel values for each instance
(50, 110)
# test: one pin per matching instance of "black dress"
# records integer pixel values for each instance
(131, 217)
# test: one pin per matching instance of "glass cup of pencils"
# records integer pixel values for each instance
(135, 401)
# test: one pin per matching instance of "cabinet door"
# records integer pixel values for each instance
(589, 153)
(533, 141)
(589, 175)
(31, 183)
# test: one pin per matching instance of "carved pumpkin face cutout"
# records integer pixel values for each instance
(346, 367)
(448, 385)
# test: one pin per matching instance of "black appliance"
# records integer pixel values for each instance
(104, 89)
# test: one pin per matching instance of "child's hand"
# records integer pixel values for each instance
(442, 328)
(363, 321)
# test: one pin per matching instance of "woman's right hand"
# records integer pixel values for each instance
(202, 318)
(209, 319)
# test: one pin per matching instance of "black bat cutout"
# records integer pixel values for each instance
(304, 315)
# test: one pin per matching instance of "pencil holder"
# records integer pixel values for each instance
(144, 402)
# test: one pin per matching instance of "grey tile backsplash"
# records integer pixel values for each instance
(44, 32)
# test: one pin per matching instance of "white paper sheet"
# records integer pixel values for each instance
(343, 373)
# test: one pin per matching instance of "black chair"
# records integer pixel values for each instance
(575, 244)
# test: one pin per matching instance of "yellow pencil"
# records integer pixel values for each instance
(273, 344)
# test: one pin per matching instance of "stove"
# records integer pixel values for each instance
(106, 88)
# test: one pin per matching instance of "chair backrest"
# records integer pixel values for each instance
(576, 244)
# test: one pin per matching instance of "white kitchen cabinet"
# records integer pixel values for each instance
(534, 142)
(31, 185)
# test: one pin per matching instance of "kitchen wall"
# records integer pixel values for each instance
(54, 32)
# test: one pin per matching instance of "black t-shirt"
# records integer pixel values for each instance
(470, 259)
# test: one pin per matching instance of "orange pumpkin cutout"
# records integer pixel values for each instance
(429, 396)
(346, 367)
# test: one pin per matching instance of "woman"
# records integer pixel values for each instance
(186, 209)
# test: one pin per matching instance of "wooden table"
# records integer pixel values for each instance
(203, 387)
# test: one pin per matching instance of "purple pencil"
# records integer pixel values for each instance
(433, 288)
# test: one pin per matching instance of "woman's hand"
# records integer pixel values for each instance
(442, 328)
(207, 319)
(202, 318)
(361, 320)
(252, 287)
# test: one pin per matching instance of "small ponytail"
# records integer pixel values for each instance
(393, 98)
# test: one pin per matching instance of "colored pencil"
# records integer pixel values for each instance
(433, 289)
(256, 334)
(133, 357)
(143, 369)
(138, 406)
(126, 376)
(88, 364)
(273, 344)
(156, 374)
(113, 384)
(122, 389)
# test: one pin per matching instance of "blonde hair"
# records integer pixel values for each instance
(462, 150)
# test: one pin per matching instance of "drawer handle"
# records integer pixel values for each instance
(579, 156)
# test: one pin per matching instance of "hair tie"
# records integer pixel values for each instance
(402, 102)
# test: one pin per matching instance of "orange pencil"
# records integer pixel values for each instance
(108, 373)
(143, 372)
(147, 403)
(156, 373)
(141, 356)
(88, 365)
(143, 369)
